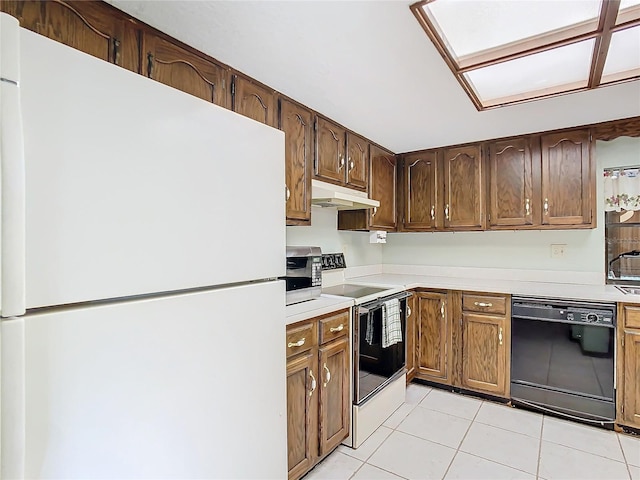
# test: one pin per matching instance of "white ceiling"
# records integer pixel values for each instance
(367, 65)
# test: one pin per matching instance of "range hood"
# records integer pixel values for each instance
(334, 196)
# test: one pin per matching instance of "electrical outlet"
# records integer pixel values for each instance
(558, 250)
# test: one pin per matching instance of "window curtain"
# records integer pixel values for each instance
(622, 190)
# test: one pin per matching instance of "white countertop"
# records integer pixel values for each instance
(313, 308)
(397, 282)
(602, 293)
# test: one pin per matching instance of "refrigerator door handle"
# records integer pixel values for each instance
(12, 188)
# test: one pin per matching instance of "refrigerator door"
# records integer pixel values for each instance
(189, 386)
(134, 187)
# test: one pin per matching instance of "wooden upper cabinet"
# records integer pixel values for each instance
(330, 155)
(297, 124)
(421, 191)
(511, 201)
(568, 186)
(95, 28)
(173, 65)
(382, 187)
(464, 189)
(254, 100)
(357, 167)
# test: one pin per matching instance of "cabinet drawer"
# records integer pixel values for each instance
(631, 317)
(301, 338)
(334, 326)
(484, 304)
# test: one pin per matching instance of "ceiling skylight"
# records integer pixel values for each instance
(507, 51)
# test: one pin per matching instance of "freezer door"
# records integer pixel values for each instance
(190, 386)
(134, 187)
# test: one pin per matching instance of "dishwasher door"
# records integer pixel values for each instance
(562, 357)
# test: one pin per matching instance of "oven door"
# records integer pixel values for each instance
(374, 365)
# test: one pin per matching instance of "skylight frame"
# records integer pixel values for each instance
(600, 29)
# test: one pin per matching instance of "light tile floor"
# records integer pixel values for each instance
(441, 435)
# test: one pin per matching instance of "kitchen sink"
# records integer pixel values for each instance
(629, 290)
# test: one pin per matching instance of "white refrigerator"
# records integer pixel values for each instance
(141, 236)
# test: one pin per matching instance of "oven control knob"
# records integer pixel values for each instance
(592, 317)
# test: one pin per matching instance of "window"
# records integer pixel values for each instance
(505, 52)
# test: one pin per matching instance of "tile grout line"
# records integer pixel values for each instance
(624, 455)
(540, 447)
(462, 441)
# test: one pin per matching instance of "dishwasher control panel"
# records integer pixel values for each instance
(564, 311)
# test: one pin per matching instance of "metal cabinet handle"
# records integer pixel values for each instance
(442, 309)
(116, 51)
(482, 304)
(446, 211)
(341, 162)
(527, 207)
(351, 164)
(299, 343)
(287, 193)
(408, 311)
(433, 212)
(339, 328)
(500, 335)
(327, 375)
(546, 206)
(375, 209)
(313, 383)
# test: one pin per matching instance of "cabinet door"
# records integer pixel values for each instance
(464, 191)
(302, 413)
(179, 68)
(433, 337)
(421, 191)
(382, 187)
(357, 162)
(412, 316)
(253, 100)
(330, 143)
(511, 198)
(91, 27)
(485, 346)
(567, 190)
(631, 394)
(334, 394)
(297, 124)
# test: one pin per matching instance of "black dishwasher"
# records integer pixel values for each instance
(563, 358)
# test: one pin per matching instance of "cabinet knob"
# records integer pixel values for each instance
(313, 383)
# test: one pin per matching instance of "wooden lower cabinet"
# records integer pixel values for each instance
(302, 415)
(412, 314)
(628, 386)
(433, 354)
(334, 394)
(464, 340)
(318, 389)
